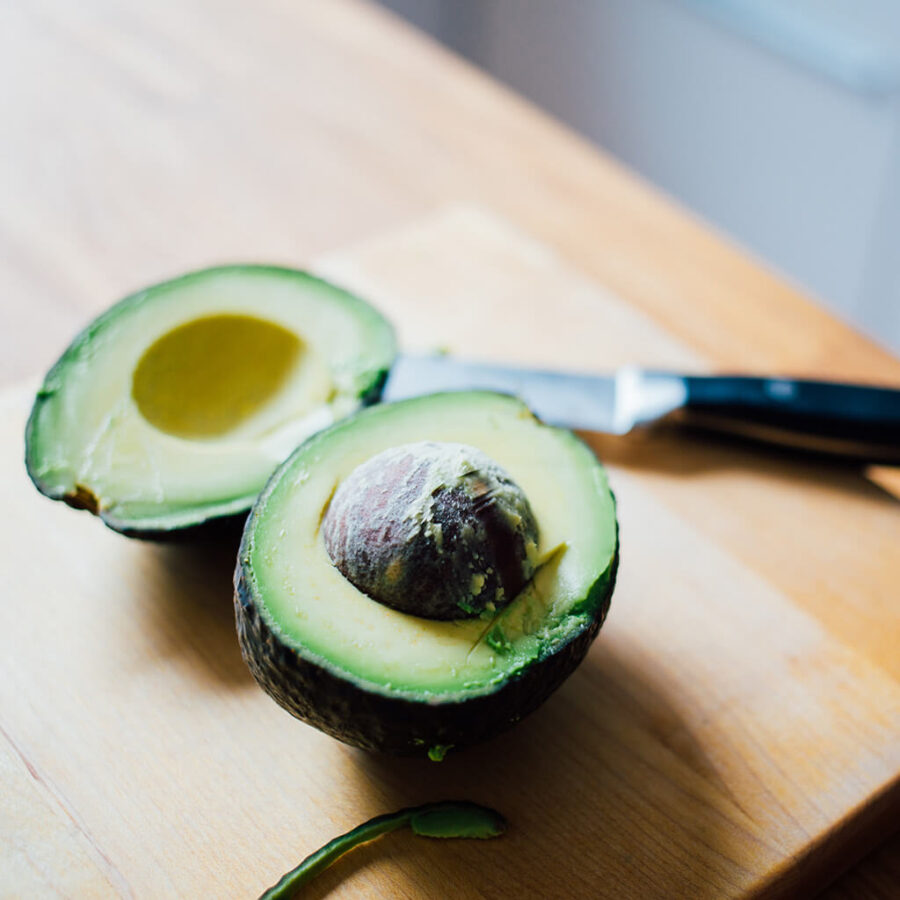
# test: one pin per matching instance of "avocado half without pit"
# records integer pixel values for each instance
(423, 574)
(173, 407)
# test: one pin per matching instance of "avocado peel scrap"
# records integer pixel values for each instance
(446, 819)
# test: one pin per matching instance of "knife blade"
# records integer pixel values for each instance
(849, 420)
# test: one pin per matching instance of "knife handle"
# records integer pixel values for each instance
(848, 420)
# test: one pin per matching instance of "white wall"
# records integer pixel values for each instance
(783, 131)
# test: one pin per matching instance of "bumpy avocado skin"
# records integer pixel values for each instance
(214, 526)
(373, 721)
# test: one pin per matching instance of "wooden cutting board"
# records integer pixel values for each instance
(734, 731)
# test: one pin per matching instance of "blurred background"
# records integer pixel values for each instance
(776, 120)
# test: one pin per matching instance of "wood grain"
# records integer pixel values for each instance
(141, 140)
(723, 738)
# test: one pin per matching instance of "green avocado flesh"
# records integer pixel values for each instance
(174, 406)
(326, 650)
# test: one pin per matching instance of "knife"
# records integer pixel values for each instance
(849, 420)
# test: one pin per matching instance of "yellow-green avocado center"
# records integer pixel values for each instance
(434, 529)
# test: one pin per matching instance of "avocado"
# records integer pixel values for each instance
(455, 486)
(172, 408)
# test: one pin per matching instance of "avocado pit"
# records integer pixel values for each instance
(433, 529)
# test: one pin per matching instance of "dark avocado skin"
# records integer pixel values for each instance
(373, 721)
(213, 531)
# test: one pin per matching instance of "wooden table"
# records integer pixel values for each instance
(143, 140)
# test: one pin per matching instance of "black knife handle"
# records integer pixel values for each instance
(849, 420)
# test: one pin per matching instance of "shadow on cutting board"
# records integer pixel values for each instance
(604, 777)
(190, 612)
(691, 453)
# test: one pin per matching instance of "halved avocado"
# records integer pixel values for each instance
(382, 678)
(173, 407)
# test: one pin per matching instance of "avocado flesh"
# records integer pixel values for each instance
(299, 618)
(174, 406)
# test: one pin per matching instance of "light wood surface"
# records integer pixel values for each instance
(141, 140)
(729, 734)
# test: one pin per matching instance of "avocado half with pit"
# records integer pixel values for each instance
(174, 407)
(424, 573)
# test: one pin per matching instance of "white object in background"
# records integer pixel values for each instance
(777, 121)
